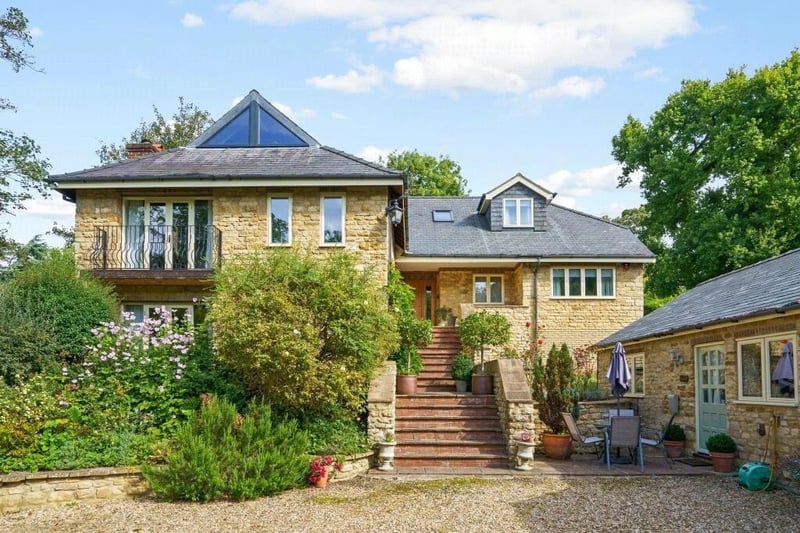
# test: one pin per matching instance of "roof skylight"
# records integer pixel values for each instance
(442, 215)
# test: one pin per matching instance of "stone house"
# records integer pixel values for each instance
(726, 348)
(157, 224)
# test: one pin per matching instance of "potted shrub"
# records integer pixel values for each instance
(442, 313)
(477, 331)
(722, 449)
(674, 441)
(414, 333)
(461, 370)
(386, 452)
(552, 390)
(409, 364)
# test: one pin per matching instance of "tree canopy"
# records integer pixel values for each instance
(720, 174)
(22, 170)
(429, 175)
(188, 122)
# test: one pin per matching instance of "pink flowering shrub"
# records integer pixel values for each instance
(137, 368)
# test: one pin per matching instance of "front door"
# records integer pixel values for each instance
(712, 411)
(423, 297)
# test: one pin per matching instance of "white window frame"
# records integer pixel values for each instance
(637, 378)
(516, 201)
(488, 278)
(766, 371)
(582, 295)
(322, 219)
(269, 218)
(147, 307)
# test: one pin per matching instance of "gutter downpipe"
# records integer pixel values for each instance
(535, 296)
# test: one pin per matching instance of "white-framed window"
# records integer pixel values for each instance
(332, 210)
(583, 282)
(182, 313)
(518, 212)
(636, 365)
(767, 369)
(279, 219)
(487, 289)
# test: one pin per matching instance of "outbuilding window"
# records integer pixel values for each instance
(767, 369)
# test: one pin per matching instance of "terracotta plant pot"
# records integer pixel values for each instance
(557, 446)
(674, 448)
(722, 462)
(322, 482)
(406, 384)
(482, 384)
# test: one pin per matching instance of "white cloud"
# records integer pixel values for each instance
(375, 154)
(593, 190)
(339, 116)
(47, 207)
(583, 182)
(292, 114)
(190, 20)
(574, 86)
(651, 72)
(355, 81)
(36, 31)
(503, 46)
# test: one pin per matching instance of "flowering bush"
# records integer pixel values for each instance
(320, 467)
(137, 367)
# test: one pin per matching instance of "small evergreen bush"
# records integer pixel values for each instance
(722, 443)
(414, 332)
(675, 432)
(552, 387)
(461, 369)
(223, 454)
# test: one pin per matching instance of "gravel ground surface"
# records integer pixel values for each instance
(707, 503)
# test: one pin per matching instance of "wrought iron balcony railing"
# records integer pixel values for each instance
(156, 247)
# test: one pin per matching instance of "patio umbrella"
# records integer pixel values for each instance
(619, 375)
(783, 375)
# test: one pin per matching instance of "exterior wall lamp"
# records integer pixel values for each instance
(394, 212)
(675, 357)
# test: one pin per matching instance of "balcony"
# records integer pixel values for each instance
(155, 252)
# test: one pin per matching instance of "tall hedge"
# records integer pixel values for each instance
(305, 333)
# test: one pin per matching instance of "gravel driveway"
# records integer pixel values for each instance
(705, 503)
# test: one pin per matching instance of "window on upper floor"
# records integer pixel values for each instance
(332, 225)
(518, 212)
(279, 220)
(583, 282)
(487, 289)
(767, 369)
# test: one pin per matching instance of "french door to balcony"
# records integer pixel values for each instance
(167, 234)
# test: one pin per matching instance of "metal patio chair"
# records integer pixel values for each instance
(624, 433)
(659, 441)
(580, 440)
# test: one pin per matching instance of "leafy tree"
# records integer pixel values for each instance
(185, 126)
(720, 168)
(414, 332)
(307, 334)
(22, 171)
(482, 329)
(428, 175)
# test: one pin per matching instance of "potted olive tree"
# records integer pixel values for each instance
(414, 333)
(553, 392)
(461, 370)
(674, 441)
(441, 315)
(477, 331)
(723, 450)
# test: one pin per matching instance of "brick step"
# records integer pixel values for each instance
(446, 411)
(435, 388)
(471, 461)
(449, 448)
(428, 371)
(451, 422)
(444, 400)
(436, 378)
(494, 435)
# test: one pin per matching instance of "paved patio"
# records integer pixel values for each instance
(578, 465)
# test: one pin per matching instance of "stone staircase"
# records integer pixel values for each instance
(438, 427)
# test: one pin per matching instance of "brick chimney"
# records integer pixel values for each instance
(142, 148)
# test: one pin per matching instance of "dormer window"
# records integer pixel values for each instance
(518, 212)
(442, 215)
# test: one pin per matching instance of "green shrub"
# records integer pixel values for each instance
(552, 387)
(24, 409)
(675, 432)
(337, 437)
(222, 454)
(50, 293)
(722, 443)
(461, 369)
(304, 333)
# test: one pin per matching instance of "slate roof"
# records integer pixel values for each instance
(771, 286)
(570, 234)
(251, 162)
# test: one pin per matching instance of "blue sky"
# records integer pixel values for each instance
(501, 87)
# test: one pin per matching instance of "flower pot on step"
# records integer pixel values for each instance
(406, 384)
(674, 448)
(482, 384)
(461, 385)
